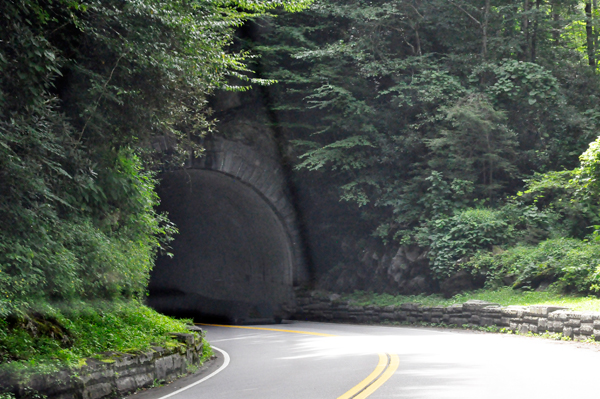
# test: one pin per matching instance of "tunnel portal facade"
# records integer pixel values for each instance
(238, 253)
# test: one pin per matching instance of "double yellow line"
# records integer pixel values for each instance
(386, 367)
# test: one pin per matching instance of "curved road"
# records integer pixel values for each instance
(302, 360)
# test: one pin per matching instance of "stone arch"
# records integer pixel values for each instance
(239, 253)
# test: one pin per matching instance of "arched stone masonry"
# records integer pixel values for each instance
(239, 253)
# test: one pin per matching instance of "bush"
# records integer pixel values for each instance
(573, 263)
(454, 239)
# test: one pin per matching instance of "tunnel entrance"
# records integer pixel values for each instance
(232, 257)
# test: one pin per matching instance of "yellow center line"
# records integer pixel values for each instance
(393, 366)
(364, 383)
(270, 329)
(383, 371)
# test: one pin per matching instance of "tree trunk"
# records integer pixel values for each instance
(589, 30)
(525, 29)
(484, 28)
(418, 40)
(538, 3)
(555, 25)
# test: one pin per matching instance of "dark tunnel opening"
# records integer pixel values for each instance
(232, 257)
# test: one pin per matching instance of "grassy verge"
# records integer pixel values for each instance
(504, 296)
(49, 337)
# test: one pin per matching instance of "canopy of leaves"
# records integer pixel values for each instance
(417, 110)
(85, 88)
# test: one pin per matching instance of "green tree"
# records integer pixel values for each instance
(85, 86)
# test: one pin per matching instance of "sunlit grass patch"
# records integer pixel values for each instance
(505, 296)
(49, 336)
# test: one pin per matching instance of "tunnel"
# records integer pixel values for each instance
(232, 258)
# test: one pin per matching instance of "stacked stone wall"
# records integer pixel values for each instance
(521, 319)
(114, 376)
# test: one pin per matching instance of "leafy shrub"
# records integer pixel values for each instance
(453, 239)
(575, 264)
(573, 195)
(104, 248)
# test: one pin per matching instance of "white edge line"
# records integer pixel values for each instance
(225, 364)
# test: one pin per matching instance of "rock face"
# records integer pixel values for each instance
(394, 270)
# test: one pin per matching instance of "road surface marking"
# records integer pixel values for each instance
(270, 329)
(383, 361)
(226, 360)
(386, 367)
(389, 371)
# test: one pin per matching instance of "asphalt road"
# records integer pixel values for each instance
(303, 360)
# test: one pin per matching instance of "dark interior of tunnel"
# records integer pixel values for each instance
(232, 258)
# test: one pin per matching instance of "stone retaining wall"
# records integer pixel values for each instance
(116, 375)
(521, 319)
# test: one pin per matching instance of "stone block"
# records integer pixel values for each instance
(456, 308)
(487, 321)
(125, 360)
(388, 316)
(99, 390)
(187, 339)
(567, 331)
(573, 323)
(126, 384)
(459, 321)
(527, 318)
(587, 317)
(399, 316)
(144, 380)
(514, 311)
(163, 367)
(556, 326)
(533, 328)
(409, 306)
(475, 304)
(544, 310)
(561, 315)
(96, 374)
(492, 309)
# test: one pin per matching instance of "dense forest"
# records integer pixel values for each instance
(85, 88)
(454, 126)
(466, 129)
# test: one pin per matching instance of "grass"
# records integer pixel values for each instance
(504, 296)
(48, 337)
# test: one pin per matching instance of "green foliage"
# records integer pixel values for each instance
(478, 147)
(385, 97)
(573, 194)
(84, 89)
(452, 240)
(104, 249)
(58, 335)
(504, 296)
(575, 264)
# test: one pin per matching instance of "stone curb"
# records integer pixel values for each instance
(116, 375)
(522, 319)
